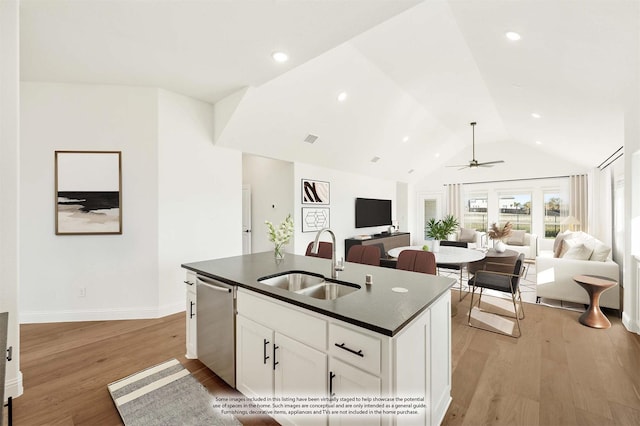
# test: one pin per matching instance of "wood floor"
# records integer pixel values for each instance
(558, 373)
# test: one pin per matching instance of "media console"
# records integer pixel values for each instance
(389, 241)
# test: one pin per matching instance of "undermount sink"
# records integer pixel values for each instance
(309, 284)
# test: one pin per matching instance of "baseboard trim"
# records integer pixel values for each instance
(36, 317)
(632, 325)
(13, 387)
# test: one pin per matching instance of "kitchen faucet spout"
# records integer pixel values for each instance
(316, 245)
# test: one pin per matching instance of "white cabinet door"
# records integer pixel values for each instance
(300, 372)
(348, 381)
(254, 358)
(191, 321)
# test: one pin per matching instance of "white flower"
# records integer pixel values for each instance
(283, 233)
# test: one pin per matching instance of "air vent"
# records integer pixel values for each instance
(411, 171)
(375, 159)
(311, 138)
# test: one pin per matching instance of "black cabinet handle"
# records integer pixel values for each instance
(342, 346)
(188, 282)
(191, 313)
(331, 377)
(264, 351)
(274, 356)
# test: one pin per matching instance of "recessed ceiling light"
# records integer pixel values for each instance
(437, 154)
(405, 139)
(280, 57)
(342, 97)
(538, 143)
(535, 115)
(513, 36)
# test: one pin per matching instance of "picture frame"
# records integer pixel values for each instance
(315, 218)
(315, 192)
(88, 192)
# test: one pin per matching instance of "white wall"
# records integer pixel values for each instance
(272, 197)
(181, 201)
(9, 186)
(199, 192)
(344, 189)
(119, 272)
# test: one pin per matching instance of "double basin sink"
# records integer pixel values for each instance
(310, 284)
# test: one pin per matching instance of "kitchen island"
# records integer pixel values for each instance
(388, 342)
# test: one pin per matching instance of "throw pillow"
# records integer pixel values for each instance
(516, 238)
(467, 235)
(600, 251)
(557, 243)
(577, 251)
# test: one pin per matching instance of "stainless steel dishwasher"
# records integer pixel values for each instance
(215, 312)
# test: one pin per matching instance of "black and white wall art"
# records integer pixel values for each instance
(315, 192)
(315, 218)
(88, 192)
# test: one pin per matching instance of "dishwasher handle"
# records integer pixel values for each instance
(213, 286)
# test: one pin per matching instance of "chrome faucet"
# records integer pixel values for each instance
(316, 245)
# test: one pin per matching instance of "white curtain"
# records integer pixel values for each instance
(578, 201)
(454, 200)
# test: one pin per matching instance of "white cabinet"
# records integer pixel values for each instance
(346, 380)
(284, 350)
(192, 335)
(254, 358)
(272, 364)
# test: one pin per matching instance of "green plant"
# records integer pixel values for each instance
(441, 229)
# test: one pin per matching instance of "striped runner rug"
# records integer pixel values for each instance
(166, 394)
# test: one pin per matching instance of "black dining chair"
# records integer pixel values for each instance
(458, 268)
(503, 282)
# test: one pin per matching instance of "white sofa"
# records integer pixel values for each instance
(473, 238)
(555, 274)
(527, 244)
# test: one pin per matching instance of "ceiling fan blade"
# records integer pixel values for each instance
(458, 165)
(489, 163)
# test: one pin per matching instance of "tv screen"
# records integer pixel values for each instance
(372, 212)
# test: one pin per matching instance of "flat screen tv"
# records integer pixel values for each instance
(372, 212)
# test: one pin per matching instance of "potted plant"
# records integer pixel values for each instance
(280, 236)
(440, 230)
(498, 235)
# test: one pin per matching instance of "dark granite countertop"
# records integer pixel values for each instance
(374, 307)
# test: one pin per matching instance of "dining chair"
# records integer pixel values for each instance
(325, 250)
(454, 266)
(368, 255)
(417, 261)
(503, 282)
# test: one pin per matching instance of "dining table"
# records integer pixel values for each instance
(446, 254)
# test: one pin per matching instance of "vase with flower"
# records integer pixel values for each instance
(280, 236)
(498, 235)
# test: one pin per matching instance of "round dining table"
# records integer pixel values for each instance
(446, 254)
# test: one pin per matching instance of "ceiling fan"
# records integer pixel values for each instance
(474, 163)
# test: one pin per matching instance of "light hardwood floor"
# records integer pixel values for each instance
(558, 373)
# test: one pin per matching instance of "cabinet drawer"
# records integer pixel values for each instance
(295, 324)
(358, 349)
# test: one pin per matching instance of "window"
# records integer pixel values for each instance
(515, 208)
(475, 212)
(555, 211)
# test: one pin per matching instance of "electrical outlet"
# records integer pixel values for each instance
(82, 292)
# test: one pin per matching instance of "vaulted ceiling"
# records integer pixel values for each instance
(415, 73)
